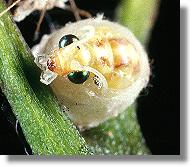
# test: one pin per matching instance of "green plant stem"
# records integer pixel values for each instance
(47, 130)
(138, 16)
(118, 136)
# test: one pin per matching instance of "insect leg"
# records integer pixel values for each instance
(36, 34)
(74, 9)
(81, 12)
(47, 77)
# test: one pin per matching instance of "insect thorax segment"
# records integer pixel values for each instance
(100, 48)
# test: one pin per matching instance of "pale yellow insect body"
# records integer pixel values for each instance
(117, 63)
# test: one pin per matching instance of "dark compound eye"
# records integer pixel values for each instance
(67, 40)
(78, 77)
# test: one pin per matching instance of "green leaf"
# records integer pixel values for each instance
(118, 136)
(47, 129)
(138, 16)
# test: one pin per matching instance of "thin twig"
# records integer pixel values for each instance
(3, 12)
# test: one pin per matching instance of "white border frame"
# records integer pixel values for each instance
(148, 161)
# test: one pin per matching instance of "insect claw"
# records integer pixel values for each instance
(41, 61)
(35, 36)
(47, 77)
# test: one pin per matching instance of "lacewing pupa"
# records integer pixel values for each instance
(95, 67)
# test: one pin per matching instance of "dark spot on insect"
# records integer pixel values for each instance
(99, 43)
(65, 109)
(104, 61)
(96, 80)
(50, 64)
(76, 104)
(120, 65)
(78, 47)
